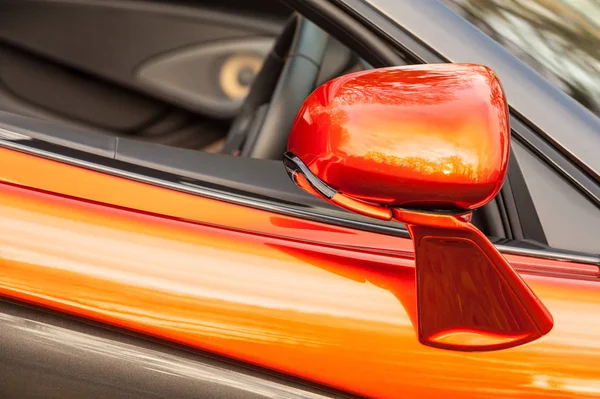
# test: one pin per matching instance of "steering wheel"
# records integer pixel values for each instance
(288, 76)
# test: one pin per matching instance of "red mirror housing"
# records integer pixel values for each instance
(424, 145)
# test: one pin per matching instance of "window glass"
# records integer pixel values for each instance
(558, 38)
(569, 220)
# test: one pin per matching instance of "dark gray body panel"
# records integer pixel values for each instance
(44, 355)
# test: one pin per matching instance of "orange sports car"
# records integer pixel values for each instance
(299, 199)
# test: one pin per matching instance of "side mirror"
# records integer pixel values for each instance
(425, 145)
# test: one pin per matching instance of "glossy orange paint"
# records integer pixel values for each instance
(469, 297)
(445, 126)
(361, 207)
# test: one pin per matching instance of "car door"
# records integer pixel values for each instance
(244, 266)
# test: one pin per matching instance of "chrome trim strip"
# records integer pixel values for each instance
(553, 254)
(191, 188)
(293, 164)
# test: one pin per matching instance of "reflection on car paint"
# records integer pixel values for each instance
(334, 315)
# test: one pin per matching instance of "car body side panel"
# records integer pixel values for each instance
(269, 290)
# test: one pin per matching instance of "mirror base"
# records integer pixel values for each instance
(469, 298)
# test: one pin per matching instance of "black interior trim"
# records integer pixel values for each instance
(115, 42)
(84, 100)
(529, 220)
(348, 31)
(410, 46)
(510, 211)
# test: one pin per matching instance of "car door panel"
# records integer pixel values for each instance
(324, 303)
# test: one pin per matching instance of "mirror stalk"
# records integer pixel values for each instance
(469, 298)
